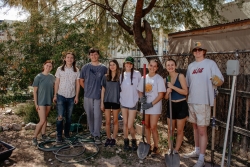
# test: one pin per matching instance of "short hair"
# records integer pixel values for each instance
(93, 50)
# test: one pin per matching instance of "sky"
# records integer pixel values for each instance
(7, 13)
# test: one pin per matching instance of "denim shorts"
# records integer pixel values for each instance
(130, 108)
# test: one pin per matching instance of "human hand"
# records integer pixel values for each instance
(76, 100)
(37, 107)
(216, 80)
(146, 106)
(102, 107)
(54, 99)
(143, 99)
(170, 85)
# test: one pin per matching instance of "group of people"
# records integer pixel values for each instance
(110, 90)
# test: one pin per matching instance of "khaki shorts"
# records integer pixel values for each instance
(199, 114)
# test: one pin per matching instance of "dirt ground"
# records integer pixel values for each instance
(26, 155)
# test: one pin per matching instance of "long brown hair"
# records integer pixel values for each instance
(132, 72)
(117, 72)
(48, 61)
(64, 62)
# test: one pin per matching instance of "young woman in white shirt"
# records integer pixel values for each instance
(155, 89)
(129, 96)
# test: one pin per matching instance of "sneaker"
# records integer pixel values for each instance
(34, 142)
(199, 164)
(45, 137)
(112, 142)
(59, 140)
(107, 142)
(97, 140)
(193, 154)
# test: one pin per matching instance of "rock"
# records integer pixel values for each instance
(50, 160)
(48, 124)
(30, 126)
(141, 161)
(7, 162)
(9, 111)
(5, 128)
(117, 151)
(10, 126)
(16, 127)
(23, 124)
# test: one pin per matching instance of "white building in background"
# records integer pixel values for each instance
(6, 34)
(160, 46)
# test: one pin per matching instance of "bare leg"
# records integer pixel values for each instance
(180, 133)
(125, 122)
(131, 119)
(196, 135)
(115, 122)
(153, 126)
(107, 118)
(45, 123)
(42, 117)
(202, 134)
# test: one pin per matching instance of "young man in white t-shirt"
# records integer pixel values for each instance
(203, 76)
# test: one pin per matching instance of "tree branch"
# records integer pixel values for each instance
(149, 8)
(123, 5)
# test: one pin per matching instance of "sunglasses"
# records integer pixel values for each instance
(199, 50)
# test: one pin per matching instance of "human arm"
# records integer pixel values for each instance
(146, 106)
(81, 81)
(56, 87)
(169, 90)
(217, 78)
(102, 99)
(183, 90)
(35, 97)
(76, 100)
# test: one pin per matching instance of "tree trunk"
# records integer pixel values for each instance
(145, 44)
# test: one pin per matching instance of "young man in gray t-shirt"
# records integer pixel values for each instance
(203, 77)
(90, 79)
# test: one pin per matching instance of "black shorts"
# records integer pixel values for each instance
(179, 110)
(109, 105)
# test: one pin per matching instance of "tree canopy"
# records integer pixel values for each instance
(56, 25)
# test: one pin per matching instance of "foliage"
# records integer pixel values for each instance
(42, 37)
(29, 114)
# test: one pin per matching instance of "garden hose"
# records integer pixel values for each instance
(83, 159)
(72, 142)
(65, 148)
(54, 147)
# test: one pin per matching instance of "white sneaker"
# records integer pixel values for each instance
(199, 164)
(193, 154)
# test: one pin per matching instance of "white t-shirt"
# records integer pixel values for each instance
(68, 79)
(154, 85)
(129, 94)
(201, 89)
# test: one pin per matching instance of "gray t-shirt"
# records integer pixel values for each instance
(112, 90)
(92, 76)
(45, 85)
(201, 89)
